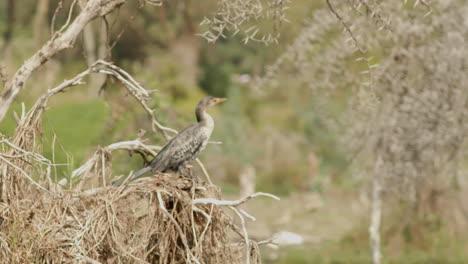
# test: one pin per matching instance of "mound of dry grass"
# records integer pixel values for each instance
(164, 219)
(153, 222)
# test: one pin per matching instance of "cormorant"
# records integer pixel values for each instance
(185, 146)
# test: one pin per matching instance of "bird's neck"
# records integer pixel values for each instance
(203, 117)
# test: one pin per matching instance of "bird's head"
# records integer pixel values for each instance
(209, 101)
(204, 104)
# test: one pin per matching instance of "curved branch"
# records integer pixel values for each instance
(58, 42)
(233, 203)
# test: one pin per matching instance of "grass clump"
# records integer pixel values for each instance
(152, 222)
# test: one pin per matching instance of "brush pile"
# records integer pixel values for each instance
(152, 222)
(164, 219)
(82, 219)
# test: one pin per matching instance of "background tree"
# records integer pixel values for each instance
(342, 107)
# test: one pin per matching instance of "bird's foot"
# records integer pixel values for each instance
(188, 173)
(191, 175)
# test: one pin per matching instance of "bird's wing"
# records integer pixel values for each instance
(183, 147)
(188, 145)
(178, 150)
(188, 149)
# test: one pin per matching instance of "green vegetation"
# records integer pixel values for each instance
(348, 254)
(77, 127)
(295, 129)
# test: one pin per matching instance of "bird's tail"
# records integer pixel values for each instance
(134, 176)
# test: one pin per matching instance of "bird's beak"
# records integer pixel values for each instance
(219, 100)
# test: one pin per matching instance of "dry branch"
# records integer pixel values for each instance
(61, 40)
(95, 168)
(137, 91)
(232, 203)
(29, 127)
(238, 211)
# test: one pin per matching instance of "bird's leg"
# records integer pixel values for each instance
(186, 171)
(190, 173)
(181, 172)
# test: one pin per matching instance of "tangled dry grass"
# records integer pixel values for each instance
(161, 220)
(81, 219)
(152, 222)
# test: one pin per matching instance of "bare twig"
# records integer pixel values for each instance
(345, 25)
(70, 13)
(190, 256)
(232, 203)
(98, 156)
(3, 75)
(205, 172)
(137, 91)
(154, 2)
(246, 235)
(57, 10)
(239, 212)
(28, 177)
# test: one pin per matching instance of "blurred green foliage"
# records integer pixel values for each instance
(246, 123)
(274, 132)
(346, 254)
(77, 127)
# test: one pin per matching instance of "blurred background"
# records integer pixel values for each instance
(326, 101)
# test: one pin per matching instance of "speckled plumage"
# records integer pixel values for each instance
(186, 145)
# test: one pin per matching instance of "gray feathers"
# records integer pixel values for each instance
(185, 146)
